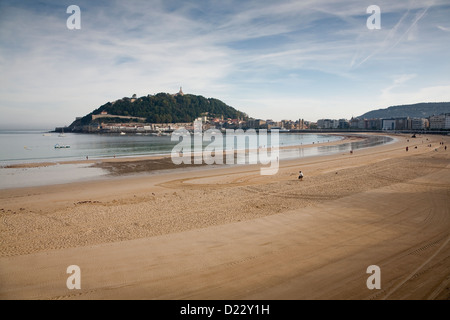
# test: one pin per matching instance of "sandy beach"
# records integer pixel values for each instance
(230, 233)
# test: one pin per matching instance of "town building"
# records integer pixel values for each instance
(388, 124)
(419, 124)
(401, 124)
(374, 124)
(362, 124)
(327, 124)
(256, 123)
(301, 124)
(343, 124)
(354, 123)
(447, 121)
(437, 122)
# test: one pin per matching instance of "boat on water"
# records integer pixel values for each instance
(47, 135)
(61, 146)
(122, 133)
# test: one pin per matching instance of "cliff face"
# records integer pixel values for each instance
(159, 108)
(419, 110)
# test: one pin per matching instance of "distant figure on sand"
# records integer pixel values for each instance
(407, 149)
(300, 175)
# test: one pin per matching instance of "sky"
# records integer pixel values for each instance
(270, 59)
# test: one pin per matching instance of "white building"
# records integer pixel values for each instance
(362, 124)
(343, 124)
(419, 124)
(327, 124)
(438, 122)
(323, 123)
(447, 121)
(388, 124)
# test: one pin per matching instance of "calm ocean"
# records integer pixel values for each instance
(34, 146)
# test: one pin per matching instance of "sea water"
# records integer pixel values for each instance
(18, 147)
(38, 146)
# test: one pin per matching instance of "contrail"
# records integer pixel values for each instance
(412, 25)
(393, 31)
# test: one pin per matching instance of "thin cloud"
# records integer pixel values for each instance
(398, 81)
(443, 28)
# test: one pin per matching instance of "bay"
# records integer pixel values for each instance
(38, 146)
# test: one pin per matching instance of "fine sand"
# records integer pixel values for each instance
(230, 233)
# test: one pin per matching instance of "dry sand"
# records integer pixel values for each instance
(230, 233)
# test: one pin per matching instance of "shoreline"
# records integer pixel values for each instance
(346, 138)
(57, 173)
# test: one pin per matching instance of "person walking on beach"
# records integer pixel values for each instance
(300, 175)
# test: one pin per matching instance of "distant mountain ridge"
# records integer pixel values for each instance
(160, 108)
(418, 110)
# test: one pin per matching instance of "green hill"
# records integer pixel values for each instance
(418, 110)
(161, 108)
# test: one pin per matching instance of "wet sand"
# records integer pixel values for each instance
(230, 233)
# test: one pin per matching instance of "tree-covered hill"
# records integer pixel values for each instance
(165, 108)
